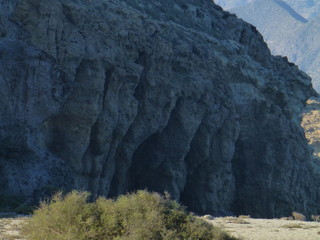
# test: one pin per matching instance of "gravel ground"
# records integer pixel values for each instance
(269, 229)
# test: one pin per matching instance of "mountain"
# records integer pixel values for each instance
(306, 50)
(228, 4)
(178, 96)
(276, 21)
(271, 9)
(307, 8)
(287, 33)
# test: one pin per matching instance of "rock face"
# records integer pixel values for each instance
(112, 96)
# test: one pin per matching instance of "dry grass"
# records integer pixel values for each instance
(293, 225)
(236, 220)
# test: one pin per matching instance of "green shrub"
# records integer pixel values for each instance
(138, 216)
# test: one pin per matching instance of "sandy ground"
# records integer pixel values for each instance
(269, 229)
(10, 225)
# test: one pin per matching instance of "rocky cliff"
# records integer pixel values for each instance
(112, 96)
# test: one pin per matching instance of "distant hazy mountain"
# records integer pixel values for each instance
(305, 50)
(227, 4)
(270, 9)
(285, 30)
(274, 19)
(307, 8)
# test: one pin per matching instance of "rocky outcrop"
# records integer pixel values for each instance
(178, 96)
(311, 124)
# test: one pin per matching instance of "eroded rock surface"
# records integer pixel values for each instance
(112, 96)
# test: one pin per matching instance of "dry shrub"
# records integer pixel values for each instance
(138, 216)
(208, 217)
(298, 216)
(315, 218)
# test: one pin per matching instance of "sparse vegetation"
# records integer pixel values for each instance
(10, 228)
(286, 218)
(311, 122)
(293, 225)
(208, 217)
(315, 218)
(237, 220)
(139, 216)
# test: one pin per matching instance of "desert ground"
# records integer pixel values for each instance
(243, 228)
(10, 226)
(268, 229)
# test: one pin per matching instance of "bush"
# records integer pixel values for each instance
(298, 216)
(315, 218)
(138, 216)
